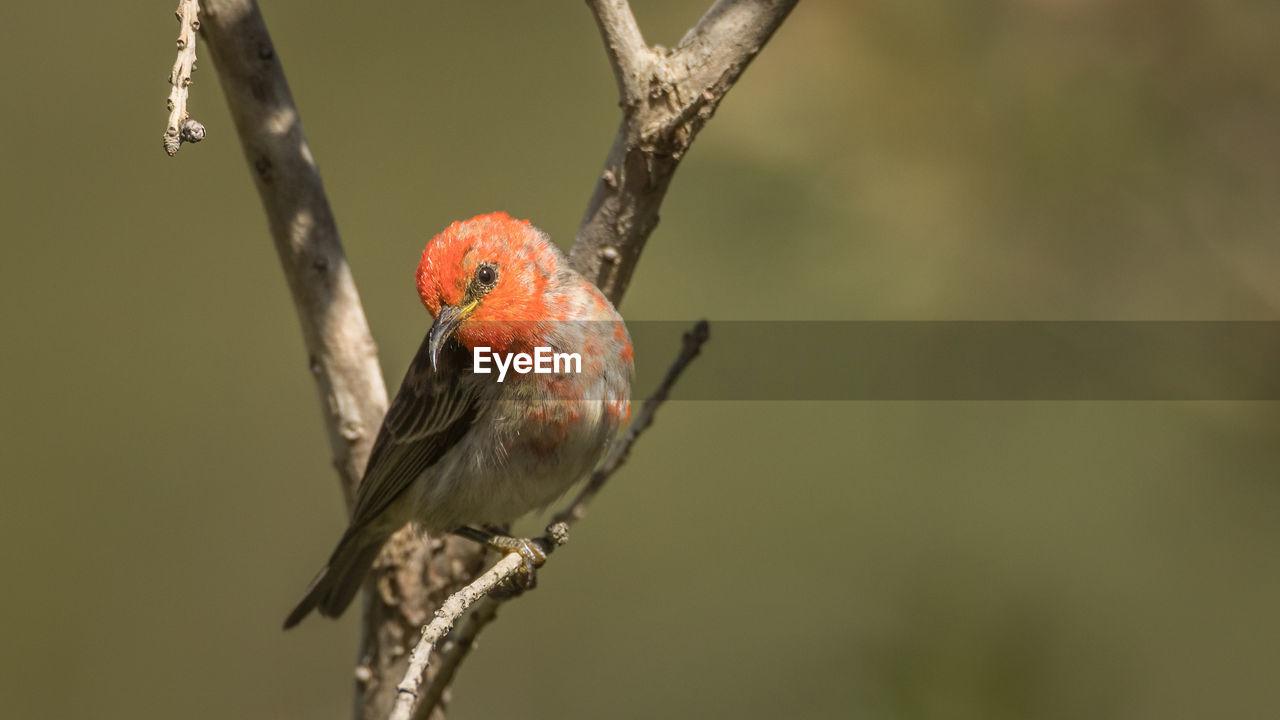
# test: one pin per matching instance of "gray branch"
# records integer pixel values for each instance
(450, 610)
(410, 576)
(629, 57)
(342, 357)
(667, 96)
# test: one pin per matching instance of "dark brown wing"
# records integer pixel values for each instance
(429, 415)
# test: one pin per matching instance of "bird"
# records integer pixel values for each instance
(460, 451)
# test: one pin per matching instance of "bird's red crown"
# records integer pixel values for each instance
(498, 269)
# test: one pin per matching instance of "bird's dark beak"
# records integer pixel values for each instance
(447, 321)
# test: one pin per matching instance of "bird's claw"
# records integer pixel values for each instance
(533, 554)
(532, 551)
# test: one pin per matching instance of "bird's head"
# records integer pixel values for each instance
(489, 281)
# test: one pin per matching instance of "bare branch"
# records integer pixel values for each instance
(410, 576)
(409, 579)
(342, 356)
(446, 616)
(629, 57)
(727, 37)
(462, 640)
(681, 92)
(457, 646)
(182, 127)
(451, 610)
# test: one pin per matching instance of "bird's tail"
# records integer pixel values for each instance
(337, 583)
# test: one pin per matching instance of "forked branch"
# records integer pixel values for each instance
(667, 96)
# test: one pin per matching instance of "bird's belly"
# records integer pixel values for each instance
(519, 458)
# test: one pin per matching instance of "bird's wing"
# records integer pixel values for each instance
(429, 415)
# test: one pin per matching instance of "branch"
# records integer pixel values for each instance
(182, 127)
(446, 616)
(629, 57)
(486, 611)
(667, 99)
(457, 646)
(341, 354)
(452, 609)
(410, 576)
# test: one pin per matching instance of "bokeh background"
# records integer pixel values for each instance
(167, 492)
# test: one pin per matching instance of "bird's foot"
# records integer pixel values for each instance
(534, 555)
(533, 552)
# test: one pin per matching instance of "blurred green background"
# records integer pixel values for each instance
(167, 491)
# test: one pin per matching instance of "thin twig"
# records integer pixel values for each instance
(461, 642)
(182, 127)
(457, 646)
(451, 610)
(689, 349)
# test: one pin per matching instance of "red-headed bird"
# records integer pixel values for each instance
(459, 449)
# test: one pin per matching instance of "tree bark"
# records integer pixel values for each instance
(667, 96)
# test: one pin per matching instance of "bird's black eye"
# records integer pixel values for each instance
(486, 275)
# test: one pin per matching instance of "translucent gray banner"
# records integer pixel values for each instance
(967, 360)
